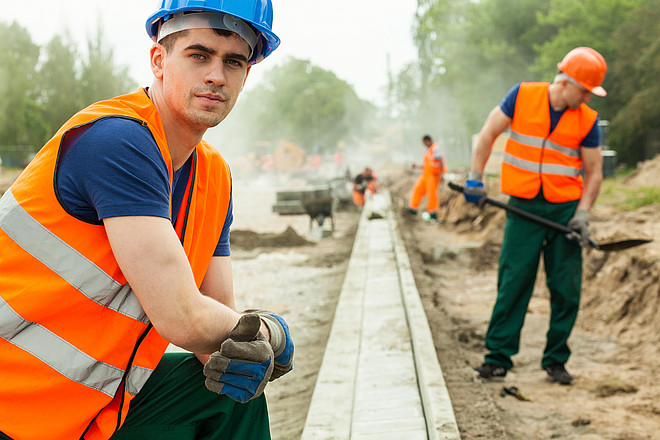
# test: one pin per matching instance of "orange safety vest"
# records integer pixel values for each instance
(534, 158)
(75, 345)
(432, 165)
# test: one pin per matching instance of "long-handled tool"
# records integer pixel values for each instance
(612, 246)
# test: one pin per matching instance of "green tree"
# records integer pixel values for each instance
(58, 81)
(634, 73)
(100, 77)
(20, 119)
(304, 104)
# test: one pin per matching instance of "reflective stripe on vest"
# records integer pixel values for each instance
(66, 358)
(65, 261)
(91, 281)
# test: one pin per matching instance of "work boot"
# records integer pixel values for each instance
(410, 211)
(489, 371)
(557, 373)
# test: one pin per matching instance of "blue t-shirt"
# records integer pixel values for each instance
(113, 168)
(508, 105)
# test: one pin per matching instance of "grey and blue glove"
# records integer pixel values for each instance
(244, 364)
(474, 191)
(280, 340)
(580, 226)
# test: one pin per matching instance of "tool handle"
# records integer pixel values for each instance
(525, 214)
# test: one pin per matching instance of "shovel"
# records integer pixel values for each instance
(611, 246)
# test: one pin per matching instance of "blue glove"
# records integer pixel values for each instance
(244, 364)
(280, 340)
(474, 192)
(283, 360)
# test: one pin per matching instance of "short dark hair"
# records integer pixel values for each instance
(427, 138)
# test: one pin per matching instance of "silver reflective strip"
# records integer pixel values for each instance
(573, 152)
(534, 141)
(58, 353)
(561, 170)
(520, 163)
(65, 261)
(136, 379)
(534, 167)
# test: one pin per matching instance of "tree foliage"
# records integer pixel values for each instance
(305, 104)
(19, 113)
(41, 87)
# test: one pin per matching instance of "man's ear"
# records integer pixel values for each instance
(157, 57)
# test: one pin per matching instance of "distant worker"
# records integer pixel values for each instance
(427, 183)
(554, 139)
(114, 243)
(365, 182)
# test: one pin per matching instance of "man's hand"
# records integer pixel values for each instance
(280, 341)
(580, 225)
(473, 190)
(244, 364)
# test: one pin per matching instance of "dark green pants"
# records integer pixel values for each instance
(175, 404)
(524, 243)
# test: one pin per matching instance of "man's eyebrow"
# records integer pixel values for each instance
(231, 55)
(201, 48)
(236, 56)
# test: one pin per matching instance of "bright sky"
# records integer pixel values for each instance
(352, 38)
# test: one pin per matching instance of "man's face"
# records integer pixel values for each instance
(202, 76)
(575, 94)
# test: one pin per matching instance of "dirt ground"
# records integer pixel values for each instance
(616, 347)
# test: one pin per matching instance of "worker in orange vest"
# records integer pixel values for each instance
(427, 183)
(114, 244)
(552, 167)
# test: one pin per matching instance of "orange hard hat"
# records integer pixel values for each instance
(587, 67)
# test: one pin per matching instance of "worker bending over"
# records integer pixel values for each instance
(554, 142)
(364, 183)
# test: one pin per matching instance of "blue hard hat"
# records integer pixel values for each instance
(257, 13)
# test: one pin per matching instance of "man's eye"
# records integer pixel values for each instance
(198, 56)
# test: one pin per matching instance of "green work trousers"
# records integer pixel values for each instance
(524, 243)
(175, 404)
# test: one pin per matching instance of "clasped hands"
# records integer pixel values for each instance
(246, 361)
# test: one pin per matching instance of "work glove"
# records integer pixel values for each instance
(474, 191)
(280, 341)
(579, 225)
(244, 364)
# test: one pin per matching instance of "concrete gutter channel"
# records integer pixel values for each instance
(380, 377)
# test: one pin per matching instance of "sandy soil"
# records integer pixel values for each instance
(615, 344)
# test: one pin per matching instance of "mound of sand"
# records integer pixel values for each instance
(647, 174)
(249, 240)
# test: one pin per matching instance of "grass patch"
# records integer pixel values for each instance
(612, 193)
